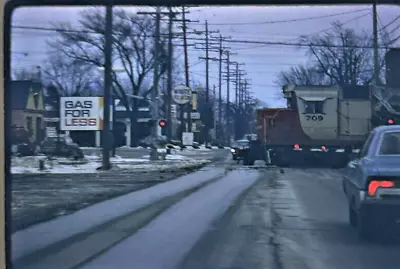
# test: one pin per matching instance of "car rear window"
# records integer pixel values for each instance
(390, 144)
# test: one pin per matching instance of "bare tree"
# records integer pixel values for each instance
(133, 49)
(302, 75)
(24, 74)
(342, 54)
(338, 56)
(71, 77)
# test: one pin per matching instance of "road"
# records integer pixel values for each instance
(38, 198)
(243, 217)
(293, 220)
(254, 218)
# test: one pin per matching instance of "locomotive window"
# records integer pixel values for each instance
(314, 107)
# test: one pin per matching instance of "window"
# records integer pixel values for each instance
(365, 148)
(271, 122)
(29, 125)
(390, 144)
(36, 99)
(314, 107)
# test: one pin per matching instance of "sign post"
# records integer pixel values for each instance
(182, 95)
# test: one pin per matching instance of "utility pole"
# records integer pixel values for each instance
(185, 46)
(207, 89)
(228, 77)
(375, 44)
(154, 92)
(236, 123)
(169, 88)
(107, 89)
(228, 136)
(215, 111)
(207, 58)
(220, 131)
(189, 106)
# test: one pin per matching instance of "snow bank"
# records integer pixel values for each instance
(24, 165)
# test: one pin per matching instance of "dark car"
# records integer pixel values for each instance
(238, 148)
(372, 183)
(61, 147)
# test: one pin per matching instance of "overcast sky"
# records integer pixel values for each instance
(262, 62)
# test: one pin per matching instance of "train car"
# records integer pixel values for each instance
(321, 125)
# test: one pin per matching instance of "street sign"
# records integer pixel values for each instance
(181, 94)
(82, 113)
(193, 115)
(187, 139)
(51, 131)
(173, 111)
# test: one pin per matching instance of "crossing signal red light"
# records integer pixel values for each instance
(390, 121)
(162, 123)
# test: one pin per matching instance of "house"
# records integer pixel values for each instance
(28, 108)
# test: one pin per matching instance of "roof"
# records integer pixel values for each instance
(20, 90)
(386, 128)
(358, 92)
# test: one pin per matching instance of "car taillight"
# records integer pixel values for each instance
(375, 184)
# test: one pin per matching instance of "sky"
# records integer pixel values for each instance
(246, 24)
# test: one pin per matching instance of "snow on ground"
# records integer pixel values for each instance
(116, 159)
(30, 164)
(123, 147)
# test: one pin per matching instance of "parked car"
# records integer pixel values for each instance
(372, 183)
(61, 147)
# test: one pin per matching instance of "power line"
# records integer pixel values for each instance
(256, 42)
(298, 44)
(291, 20)
(390, 23)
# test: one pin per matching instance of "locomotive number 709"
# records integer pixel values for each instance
(315, 118)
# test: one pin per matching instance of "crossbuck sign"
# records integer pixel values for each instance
(181, 94)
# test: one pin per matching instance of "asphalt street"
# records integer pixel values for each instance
(247, 217)
(293, 220)
(38, 198)
(297, 219)
(163, 242)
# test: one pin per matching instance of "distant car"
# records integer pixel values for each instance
(62, 147)
(372, 183)
(238, 147)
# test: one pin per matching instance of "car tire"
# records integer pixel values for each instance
(363, 228)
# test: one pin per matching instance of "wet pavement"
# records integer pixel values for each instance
(38, 198)
(293, 220)
(252, 217)
(176, 230)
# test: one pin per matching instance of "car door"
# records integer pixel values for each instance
(354, 175)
